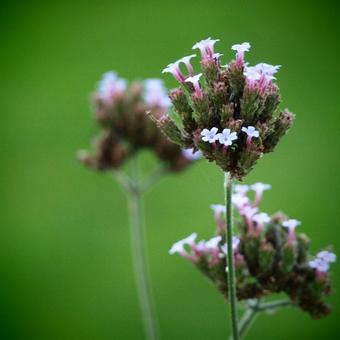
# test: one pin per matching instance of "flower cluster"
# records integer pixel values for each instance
(270, 256)
(228, 112)
(120, 110)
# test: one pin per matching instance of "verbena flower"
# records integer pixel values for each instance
(268, 261)
(120, 110)
(238, 98)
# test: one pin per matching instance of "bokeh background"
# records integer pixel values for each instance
(64, 248)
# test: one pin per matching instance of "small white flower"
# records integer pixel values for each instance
(218, 208)
(252, 74)
(191, 154)
(206, 47)
(227, 137)
(261, 218)
(194, 79)
(259, 187)
(217, 55)
(241, 48)
(178, 247)
(209, 135)
(235, 244)
(267, 69)
(241, 189)
(155, 93)
(213, 242)
(248, 211)
(251, 131)
(174, 69)
(240, 200)
(291, 224)
(200, 246)
(186, 59)
(110, 85)
(319, 265)
(326, 256)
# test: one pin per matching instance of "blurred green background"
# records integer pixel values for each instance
(64, 251)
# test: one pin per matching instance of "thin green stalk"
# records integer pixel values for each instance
(228, 183)
(274, 305)
(135, 203)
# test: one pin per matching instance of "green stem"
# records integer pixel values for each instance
(135, 203)
(228, 183)
(274, 305)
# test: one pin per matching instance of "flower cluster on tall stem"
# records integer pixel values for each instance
(270, 256)
(228, 112)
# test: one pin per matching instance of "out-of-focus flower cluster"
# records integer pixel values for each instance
(121, 111)
(270, 256)
(228, 112)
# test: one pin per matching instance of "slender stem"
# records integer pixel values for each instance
(139, 257)
(247, 319)
(274, 305)
(230, 261)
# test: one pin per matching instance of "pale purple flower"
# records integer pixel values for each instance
(227, 137)
(327, 256)
(191, 154)
(209, 135)
(261, 219)
(218, 208)
(291, 225)
(241, 189)
(240, 49)
(175, 71)
(186, 60)
(251, 133)
(110, 86)
(319, 265)
(178, 247)
(195, 81)
(235, 244)
(155, 93)
(259, 188)
(252, 74)
(240, 200)
(212, 244)
(248, 212)
(322, 260)
(267, 69)
(206, 47)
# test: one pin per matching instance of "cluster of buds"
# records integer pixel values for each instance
(270, 257)
(120, 110)
(228, 112)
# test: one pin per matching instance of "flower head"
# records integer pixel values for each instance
(240, 200)
(241, 48)
(248, 211)
(227, 137)
(209, 135)
(252, 74)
